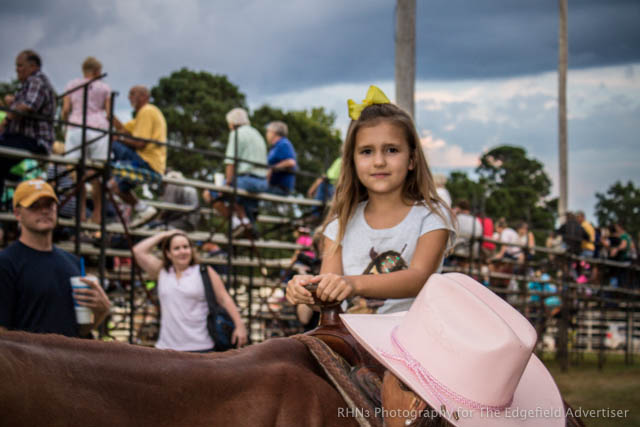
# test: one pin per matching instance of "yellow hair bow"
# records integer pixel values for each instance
(374, 96)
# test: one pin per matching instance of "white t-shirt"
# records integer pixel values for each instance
(509, 235)
(468, 226)
(366, 250)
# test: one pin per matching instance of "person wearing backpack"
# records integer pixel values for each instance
(181, 292)
(572, 234)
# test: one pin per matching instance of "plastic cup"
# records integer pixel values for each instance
(84, 315)
(218, 178)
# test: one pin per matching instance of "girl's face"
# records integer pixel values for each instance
(382, 159)
(179, 252)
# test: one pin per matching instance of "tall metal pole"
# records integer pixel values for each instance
(405, 54)
(562, 108)
(80, 192)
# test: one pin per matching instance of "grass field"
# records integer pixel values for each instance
(617, 386)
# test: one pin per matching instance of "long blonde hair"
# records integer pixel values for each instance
(419, 185)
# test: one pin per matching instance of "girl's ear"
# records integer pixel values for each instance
(412, 163)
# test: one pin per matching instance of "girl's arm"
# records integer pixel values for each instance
(150, 263)
(399, 284)
(239, 337)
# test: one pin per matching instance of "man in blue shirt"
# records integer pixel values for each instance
(281, 159)
(35, 287)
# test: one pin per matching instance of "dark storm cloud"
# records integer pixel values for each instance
(270, 47)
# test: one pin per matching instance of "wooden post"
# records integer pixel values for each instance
(562, 109)
(405, 54)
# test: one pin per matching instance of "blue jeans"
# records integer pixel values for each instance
(251, 184)
(587, 253)
(127, 156)
(324, 193)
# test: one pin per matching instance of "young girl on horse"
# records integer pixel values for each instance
(386, 215)
(183, 324)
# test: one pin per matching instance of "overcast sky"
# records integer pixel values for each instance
(486, 69)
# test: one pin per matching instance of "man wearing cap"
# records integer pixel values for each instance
(35, 288)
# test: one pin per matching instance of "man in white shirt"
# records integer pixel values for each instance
(508, 236)
(468, 227)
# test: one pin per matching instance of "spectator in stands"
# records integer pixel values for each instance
(184, 195)
(145, 158)
(488, 248)
(98, 105)
(588, 246)
(526, 239)
(250, 176)
(282, 159)
(507, 236)
(620, 248)
(323, 187)
(441, 181)
(468, 227)
(572, 234)
(35, 287)
(35, 96)
(183, 325)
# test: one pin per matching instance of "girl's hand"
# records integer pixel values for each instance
(296, 294)
(239, 336)
(333, 287)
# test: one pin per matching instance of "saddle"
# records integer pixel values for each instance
(350, 368)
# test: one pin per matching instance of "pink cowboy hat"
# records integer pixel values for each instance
(463, 349)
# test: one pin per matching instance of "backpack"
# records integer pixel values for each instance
(573, 233)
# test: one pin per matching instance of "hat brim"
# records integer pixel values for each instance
(37, 195)
(536, 401)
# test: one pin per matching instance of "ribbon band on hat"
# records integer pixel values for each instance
(374, 96)
(441, 391)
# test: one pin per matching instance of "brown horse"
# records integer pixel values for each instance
(56, 381)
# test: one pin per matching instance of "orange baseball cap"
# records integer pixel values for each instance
(29, 191)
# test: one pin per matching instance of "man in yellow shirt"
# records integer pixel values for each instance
(587, 246)
(149, 123)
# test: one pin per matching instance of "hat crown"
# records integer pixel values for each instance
(446, 332)
(27, 192)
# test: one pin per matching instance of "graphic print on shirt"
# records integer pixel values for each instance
(386, 262)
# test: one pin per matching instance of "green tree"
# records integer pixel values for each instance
(8, 89)
(194, 105)
(509, 185)
(312, 134)
(460, 186)
(621, 203)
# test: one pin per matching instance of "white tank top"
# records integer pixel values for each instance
(183, 311)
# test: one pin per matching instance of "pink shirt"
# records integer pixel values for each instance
(99, 91)
(307, 241)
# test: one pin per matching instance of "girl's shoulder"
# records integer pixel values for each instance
(438, 209)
